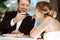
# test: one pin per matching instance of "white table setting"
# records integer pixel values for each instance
(15, 37)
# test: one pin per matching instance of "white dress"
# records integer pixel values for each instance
(52, 35)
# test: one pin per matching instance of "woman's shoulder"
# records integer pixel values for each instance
(52, 20)
(49, 18)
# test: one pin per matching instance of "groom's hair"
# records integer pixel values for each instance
(19, 1)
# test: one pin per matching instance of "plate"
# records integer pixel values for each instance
(12, 35)
(24, 36)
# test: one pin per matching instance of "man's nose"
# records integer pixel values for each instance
(25, 7)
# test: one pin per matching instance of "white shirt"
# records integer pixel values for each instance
(18, 24)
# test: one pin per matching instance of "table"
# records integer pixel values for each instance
(16, 38)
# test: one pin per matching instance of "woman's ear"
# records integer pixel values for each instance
(55, 14)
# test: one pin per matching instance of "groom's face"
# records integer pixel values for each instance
(23, 5)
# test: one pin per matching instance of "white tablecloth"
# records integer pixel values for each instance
(16, 38)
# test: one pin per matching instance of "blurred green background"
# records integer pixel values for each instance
(3, 8)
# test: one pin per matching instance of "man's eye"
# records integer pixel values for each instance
(27, 5)
(23, 4)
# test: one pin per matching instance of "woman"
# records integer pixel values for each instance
(45, 12)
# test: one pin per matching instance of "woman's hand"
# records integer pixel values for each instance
(32, 30)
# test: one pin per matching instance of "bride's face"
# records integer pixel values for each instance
(38, 14)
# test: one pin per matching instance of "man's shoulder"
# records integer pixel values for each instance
(11, 12)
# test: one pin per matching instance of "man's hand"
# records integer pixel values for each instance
(19, 16)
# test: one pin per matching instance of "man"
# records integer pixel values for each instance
(18, 22)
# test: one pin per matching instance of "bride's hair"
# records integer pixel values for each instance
(47, 8)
